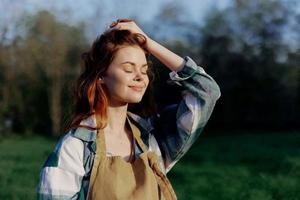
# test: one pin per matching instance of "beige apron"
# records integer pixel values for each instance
(113, 178)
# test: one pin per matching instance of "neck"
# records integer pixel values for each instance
(116, 119)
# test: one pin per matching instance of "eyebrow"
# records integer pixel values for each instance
(132, 63)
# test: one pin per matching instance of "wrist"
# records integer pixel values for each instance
(149, 44)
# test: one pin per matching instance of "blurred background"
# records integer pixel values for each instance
(249, 149)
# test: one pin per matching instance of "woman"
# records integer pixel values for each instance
(109, 152)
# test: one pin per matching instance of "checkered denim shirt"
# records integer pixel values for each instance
(66, 172)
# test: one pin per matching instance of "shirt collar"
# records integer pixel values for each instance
(88, 135)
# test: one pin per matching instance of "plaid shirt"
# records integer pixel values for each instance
(66, 173)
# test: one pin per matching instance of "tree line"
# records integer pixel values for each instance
(246, 48)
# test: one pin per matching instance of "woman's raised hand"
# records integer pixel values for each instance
(167, 57)
(127, 24)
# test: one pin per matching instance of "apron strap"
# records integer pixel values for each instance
(137, 134)
(160, 177)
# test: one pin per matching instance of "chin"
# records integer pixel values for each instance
(134, 100)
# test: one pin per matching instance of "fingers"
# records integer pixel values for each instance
(118, 27)
(126, 24)
(124, 20)
(114, 23)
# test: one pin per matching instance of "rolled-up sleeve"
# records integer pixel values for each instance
(179, 125)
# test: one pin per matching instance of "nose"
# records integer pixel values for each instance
(138, 76)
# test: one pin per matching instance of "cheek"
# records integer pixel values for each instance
(147, 81)
(118, 82)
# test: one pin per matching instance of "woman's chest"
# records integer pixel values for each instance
(119, 146)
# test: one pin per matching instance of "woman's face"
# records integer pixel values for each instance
(126, 78)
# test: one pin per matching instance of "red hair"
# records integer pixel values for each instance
(90, 97)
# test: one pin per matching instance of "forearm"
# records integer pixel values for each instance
(164, 55)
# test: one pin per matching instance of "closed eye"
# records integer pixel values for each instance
(128, 69)
(144, 69)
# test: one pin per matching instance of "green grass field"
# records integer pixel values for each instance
(245, 166)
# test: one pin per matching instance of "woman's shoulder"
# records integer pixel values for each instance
(67, 154)
(63, 170)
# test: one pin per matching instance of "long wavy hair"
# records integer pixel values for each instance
(89, 95)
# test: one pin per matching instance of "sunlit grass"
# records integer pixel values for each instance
(21, 159)
(258, 167)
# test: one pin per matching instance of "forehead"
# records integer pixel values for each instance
(130, 53)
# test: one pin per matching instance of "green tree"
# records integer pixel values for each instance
(38, 70)
(51, 46)
(246, 51)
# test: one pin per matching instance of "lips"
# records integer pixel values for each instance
(137, 88)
